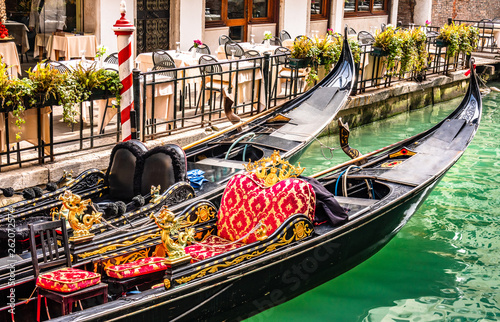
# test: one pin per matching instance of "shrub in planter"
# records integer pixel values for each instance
(389, 43)
(459, 38)
(413, 52)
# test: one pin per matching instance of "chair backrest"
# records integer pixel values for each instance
(365, 38)
(284, 35)
(251, 53)
(164, 66)
(162, 165)
(485, 26)
(112, 59)
(383, 26)
(224, 39)
(202, 49)
(274, 41)
(282, 54)
(121, 169)
(238, 50)
(52, 254)
(59, 66)
(160, 56)
(210, 69)
(351, 31)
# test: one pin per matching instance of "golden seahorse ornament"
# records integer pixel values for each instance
(170, 225)
(73, 210)
(344, 142)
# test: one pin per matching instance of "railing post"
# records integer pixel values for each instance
(450, 21)
(267, 78)
(136, 112)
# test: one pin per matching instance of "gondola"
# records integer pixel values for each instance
(252, 255)
(286, 128)
(123, 195)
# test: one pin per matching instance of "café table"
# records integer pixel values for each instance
(71, 46)
(41, 44)
(20, 33)
(8, 50)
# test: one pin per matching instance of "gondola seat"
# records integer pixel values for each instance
(136, 268)
(67, 280)
(247, 203)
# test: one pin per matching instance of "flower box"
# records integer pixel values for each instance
(379, 52)
(299, 62)
(442, 43)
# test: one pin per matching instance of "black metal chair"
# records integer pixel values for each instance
(59, 66)
(224, 39)
(202, 49)
(160, 56)
(165, 67)
(383, 26)
(486, 36)
(284, 72)
(251, 54)
(284, 35)
(112, 59)
(351, 31)
(300, 36)
(365, 38)
(212, 80)
(274, 41)
(52, 256)
(238, 50)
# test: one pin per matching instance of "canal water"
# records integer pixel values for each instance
(444, 265)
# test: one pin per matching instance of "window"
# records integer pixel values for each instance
(319, 9)
(365, 7)
(217, 12)
(238, 14)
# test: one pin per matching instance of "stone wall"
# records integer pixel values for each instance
(457, 9)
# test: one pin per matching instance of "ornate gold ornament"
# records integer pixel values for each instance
(170, 225)
(155, 194)
(166, 283)
(298, 228)
(203, 213)
(273, 169)
(402, 152)
(73, 210)
(67, 178)
(115, 246)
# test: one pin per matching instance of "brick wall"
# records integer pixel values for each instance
(457, 9)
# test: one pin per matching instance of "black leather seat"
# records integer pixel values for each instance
(162, 165)
(122, 168)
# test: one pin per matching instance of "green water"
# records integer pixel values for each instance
(444, 265)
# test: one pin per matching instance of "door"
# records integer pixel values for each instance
(237, 19)
(153, 19)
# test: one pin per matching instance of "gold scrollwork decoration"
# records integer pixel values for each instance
(126, 258)
(299, 227)
(166, 282)
(115, 246)
(203, 213)
(273, 169)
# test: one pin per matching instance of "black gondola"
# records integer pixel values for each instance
(381, 195)
(287, 128)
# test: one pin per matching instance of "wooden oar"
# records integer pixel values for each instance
(364, 156)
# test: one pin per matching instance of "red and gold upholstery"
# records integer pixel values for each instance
(211, 246)
(68, 280)
(137, 268)
(246, 201)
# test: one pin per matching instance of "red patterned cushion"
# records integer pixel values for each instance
(137, 268)
(68, 280)
(246, 201)
(211, 246)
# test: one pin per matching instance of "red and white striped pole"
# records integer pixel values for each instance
(124, 30)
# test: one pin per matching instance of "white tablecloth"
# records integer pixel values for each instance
(71, 46)
(10, 56)
(41, 43)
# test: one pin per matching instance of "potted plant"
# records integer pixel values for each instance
(413, 52)
(388, 44)
(96, 83)
(301, 52)
(449, 37)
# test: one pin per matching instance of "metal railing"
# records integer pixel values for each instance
(487, 30)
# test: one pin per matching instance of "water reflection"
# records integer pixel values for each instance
(444, 265)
